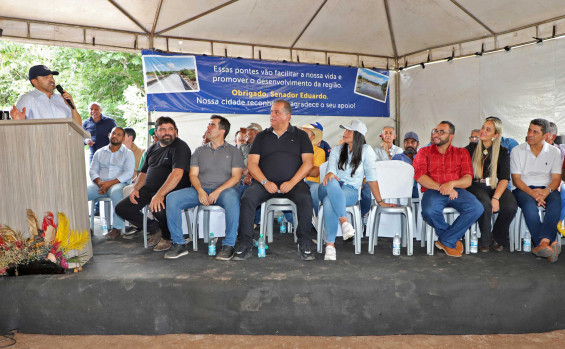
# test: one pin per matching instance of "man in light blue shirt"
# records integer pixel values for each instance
(111, 170)
(387, 149)
(42, 103)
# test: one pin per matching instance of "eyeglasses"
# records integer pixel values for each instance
(473, 138)
(440, 132)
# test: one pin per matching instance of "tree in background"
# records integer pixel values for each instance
(114, 79)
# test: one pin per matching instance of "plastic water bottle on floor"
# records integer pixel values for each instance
(396, 245)
(212, 245)
(527, 244)
(104, 226)
(474, 243)
(282, 224)
(261, 247)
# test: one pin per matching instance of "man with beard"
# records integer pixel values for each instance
(42, 103)
(165, 170)
(444, 171)
(411, 143)
(111, 170)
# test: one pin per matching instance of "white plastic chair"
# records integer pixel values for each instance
(396, 180)
(354, 212)
(206, 210)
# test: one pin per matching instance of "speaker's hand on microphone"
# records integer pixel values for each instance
(68, 96)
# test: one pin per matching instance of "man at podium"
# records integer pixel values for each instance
(42, 103)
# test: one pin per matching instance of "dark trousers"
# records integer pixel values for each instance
(131, 212)
(257, 194)
(508, 206)
(539, 230)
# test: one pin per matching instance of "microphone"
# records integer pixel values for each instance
(61, 91)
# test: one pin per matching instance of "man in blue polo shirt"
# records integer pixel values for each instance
(99, 127)
(411, 143)
(279, 160)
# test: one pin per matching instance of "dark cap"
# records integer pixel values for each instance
(412, 135)
(40, 70)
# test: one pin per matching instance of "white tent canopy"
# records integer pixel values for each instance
(517, 85)
(379, 33)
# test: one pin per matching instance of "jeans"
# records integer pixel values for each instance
(539, 230)
(315, 202)
(114, 193)
(131, 212)
(469, 208)
(188, 197)
(257, 194)
(366, 198)
(336, 197)
(508, 206)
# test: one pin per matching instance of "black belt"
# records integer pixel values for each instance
(479, 180)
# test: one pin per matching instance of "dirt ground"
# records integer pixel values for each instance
(554, 339)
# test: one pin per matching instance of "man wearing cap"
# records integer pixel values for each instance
(387, 149)
(411, 143)
(250, 132)
(42, 103)
(279, 159)
(99, 127)
(323, 144)
(444, 171)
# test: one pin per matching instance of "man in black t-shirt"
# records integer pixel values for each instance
(279, 159)
(165, 169)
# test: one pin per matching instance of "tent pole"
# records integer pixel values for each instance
(149, 124)
(397, 103)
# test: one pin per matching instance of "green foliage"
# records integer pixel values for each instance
(114, 79)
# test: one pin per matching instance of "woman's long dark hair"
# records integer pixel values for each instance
(357, 150)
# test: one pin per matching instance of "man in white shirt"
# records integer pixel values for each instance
(42, 103)
(536, 172)
(111, 170)
(387, 149)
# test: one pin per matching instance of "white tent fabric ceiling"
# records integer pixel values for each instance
(380, 33)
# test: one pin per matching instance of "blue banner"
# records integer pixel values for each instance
(202, 84)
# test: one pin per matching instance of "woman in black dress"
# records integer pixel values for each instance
(491, 174)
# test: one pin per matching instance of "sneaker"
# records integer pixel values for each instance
(176, 251)
(305, 252)
(114, 233)
(163, 245)
(543, 249)
(451, 252)
(154, 239)
(347, 230)
(226, 253)
(130, 231)
(556, 250)
(242, 252)
(330, 253)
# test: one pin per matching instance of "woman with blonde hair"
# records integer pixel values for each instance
(491, 174)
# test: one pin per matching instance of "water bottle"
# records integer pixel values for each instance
(527, 244)
(212, 245)
(282, 224)
(396, 245)
(261, 247)
(474, 243)
(104, 226)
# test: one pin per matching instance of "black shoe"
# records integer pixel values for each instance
(96, 212)
(226, 253)
(131, 230)
(242, 252)
(305, 252)
(177, 251)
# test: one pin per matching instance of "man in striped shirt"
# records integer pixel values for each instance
(444, 171)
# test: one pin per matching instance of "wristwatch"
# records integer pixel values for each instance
(264, 181)
(548, 188)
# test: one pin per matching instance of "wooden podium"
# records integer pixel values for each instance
(42, 167)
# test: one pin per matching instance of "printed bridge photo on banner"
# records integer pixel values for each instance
(371, 84)
(170, 74)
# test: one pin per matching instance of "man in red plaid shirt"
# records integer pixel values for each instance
(444, 171)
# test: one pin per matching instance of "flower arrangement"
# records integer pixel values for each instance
(50, 243)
